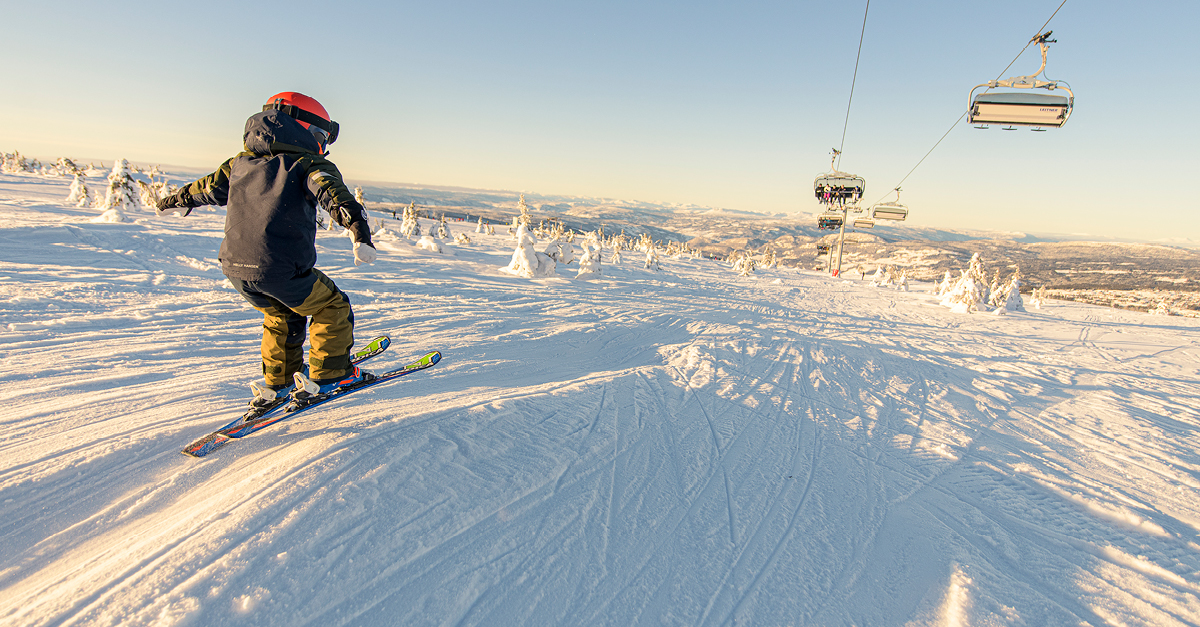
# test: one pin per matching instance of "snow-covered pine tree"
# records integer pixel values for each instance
(120, 195)
(589, 262)
(568, 250)
(443, 229)
(902, 282)
(1037, 297)
(889, 276)
(946, 285)
(1008, 296)
(979, 276)
(553, 248)
(744, 265)
(526, 262)
(877, 279)
(525, 217)
(358, 195)
(409, 227)
(79, 192)
(652, 258)
(966, 296)
(461, 239)
(66, 167)
(14, 163)
(479, 227)
(1162, 309)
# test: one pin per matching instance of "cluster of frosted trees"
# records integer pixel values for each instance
(745, 262)
(890, 277)
(119, 192)
(972, 292)
(16, 163)
(560, 247)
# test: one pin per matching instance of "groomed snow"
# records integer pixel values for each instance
(682, 447)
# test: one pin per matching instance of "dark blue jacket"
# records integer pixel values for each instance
(271, 192)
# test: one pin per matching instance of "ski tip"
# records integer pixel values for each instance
(434, 357)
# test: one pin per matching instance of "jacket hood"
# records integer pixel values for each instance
(274, 131)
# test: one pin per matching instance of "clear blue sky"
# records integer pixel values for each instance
(730, 105)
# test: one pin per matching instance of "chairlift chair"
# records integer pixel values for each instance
(829, 221)
(864, 223)
(838, 188)
(890, 210)
(1016, 108)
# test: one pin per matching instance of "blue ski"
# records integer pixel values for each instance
(258, 417)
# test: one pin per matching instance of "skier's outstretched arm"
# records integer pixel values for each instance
(210, 190)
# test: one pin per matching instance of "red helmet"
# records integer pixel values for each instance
(308, 112)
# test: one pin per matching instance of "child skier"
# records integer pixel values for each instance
(271, 191)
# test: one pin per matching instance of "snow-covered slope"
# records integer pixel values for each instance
(682, 447)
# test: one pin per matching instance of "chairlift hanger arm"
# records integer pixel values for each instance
(1029, 81)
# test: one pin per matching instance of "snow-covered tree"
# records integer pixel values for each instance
(1037, 297)
(966, 296)
(1162, 309)
(946, 285)
(589, 262)
(1008, 295)
(568, 251)
(902, 282)
(409, 227)
(66, 167)
(461, 239)
(120, 194)
(743, 263)
(616, 256)
(652, 258)
(979, 275)
(443, 229)
(79, 192)
(525, 217)
(358, 195)
(526, 262)
(14, 163)
(878, 278)
(479, 228)
(970, 292)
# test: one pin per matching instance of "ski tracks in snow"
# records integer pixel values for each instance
(685, 447)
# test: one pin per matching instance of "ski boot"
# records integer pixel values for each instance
(306, 388)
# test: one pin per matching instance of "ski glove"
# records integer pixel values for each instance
(363, 253)
(179, 200)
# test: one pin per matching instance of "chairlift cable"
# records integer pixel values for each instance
(852, 81)
(964, 113)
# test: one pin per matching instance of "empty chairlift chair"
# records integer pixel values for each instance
(890, 210)
(864, 223)
(1016, 108)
